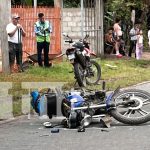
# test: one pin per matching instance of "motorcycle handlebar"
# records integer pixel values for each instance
(84, 39)
(69, 41)
(81, 40)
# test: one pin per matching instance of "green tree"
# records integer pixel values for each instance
(30, 2)
(71, 3)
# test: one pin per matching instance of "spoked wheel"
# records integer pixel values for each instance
(79, 74)
(93, 73)
(26, 65)
(132, 107)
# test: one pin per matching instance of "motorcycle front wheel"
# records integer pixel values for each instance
(80, 75)
(134, 113)
(94, 73)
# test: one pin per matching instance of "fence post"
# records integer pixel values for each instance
(58, 3)
(5, 11)
(99, 26)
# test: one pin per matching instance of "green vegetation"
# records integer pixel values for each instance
(127, 72)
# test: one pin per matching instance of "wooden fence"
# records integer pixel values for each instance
(28, 16)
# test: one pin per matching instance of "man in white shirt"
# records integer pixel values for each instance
(15, 32)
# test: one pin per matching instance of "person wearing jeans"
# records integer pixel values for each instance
(42, 30)
(15, 32)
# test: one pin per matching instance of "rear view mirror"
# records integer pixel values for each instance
(65, 34)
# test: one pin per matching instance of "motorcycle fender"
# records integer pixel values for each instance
(109, 103)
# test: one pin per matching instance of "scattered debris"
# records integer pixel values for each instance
(81, 129)
(111, 66)
(105, 121)
(44, 135)
(132, 128)
(54, 130)
(41, 128)
(47, 125)
(104, 130)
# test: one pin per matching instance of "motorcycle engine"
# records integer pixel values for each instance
(73, 117)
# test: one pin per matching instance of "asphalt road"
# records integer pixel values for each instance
(30, 134)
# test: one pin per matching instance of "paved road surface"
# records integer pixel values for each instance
(31, 135)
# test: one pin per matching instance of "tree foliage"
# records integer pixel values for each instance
(122, 9)
(30, 2)
(71, 3)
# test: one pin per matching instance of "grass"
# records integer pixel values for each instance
(127, 72)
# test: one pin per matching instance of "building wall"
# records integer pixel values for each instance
(71, 24)
(71, 18)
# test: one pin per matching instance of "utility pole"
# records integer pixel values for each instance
(5, 11)
(82, 16)
(99, 26)
(35, 3)
(58, 3)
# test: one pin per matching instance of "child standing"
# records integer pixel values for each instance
(139, 45)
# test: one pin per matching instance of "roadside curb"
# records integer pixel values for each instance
(12, 119)
(141, 83)
(136, 85)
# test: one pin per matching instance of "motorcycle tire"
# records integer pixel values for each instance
(94, 79)
(79, 75)
(26, 65)
(132, 114)
(64, 109)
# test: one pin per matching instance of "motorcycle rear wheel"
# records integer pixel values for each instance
(133, 114)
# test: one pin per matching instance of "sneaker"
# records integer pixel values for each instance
(119, 56)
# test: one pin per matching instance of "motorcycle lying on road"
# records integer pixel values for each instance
(80, 107)
(86, 70)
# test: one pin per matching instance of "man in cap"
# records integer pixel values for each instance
(15, 32)
(42, 30)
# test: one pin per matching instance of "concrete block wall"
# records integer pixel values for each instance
(71, 24)
(71, 21)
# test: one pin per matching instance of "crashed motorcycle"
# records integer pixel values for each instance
(81, 107)
(86, 70)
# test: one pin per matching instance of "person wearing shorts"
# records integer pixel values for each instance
(117, 36)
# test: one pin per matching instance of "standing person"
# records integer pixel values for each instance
(117, 36)
(139, 45)
(15, 32)
(133, 40)
(42, 30)
(149, 37)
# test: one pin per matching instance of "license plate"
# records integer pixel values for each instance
(71, 56)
